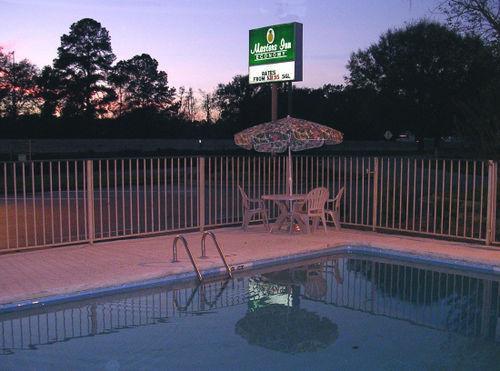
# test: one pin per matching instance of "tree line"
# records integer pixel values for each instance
(433, 79)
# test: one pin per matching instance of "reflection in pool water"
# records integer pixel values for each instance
(286, 329)
(352, 312)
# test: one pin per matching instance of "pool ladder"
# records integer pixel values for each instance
(203, 252)
(203, 296)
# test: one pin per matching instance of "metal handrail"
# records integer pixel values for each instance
(213, 302)
(204, 250)
(203, 296)
(183, 308)
(174, 254)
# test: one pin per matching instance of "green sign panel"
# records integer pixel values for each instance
(272, 44)
(275, 53)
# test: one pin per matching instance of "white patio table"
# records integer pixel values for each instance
(285, 204)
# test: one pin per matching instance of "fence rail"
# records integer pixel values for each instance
(49, 203)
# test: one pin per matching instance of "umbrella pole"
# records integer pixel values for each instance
(290, 187)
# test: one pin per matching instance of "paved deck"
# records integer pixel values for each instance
(56, 271)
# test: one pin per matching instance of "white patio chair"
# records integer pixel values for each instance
(252, 207)
(335, 212)
(311, 209)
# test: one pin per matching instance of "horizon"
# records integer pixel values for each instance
(183, 44)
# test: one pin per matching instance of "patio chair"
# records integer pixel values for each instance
(252, 207)
(335, 212)
(311, 209)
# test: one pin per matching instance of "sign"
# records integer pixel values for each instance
(275, 53)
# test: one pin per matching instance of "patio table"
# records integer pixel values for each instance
(285, 205)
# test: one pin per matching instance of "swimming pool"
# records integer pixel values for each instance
(344, 311)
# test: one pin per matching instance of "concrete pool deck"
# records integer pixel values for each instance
(58, 271)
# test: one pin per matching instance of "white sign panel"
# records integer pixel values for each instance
(272, 72)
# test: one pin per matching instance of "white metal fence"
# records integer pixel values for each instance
(49, 203)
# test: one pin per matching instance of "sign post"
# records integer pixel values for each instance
(274, 101)
(275, 55)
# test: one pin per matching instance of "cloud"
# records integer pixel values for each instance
(286, 9)
(291, 9)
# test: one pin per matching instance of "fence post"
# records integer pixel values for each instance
(201, 193)
(375, 194)
(491, 210)
(90, 200)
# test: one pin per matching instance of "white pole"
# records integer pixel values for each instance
(290, 187)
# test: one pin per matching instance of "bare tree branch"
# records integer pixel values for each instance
(478, 17)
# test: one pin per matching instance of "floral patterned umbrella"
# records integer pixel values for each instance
(290, 134)
(287, 133)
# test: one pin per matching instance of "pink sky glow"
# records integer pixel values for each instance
(204, 42)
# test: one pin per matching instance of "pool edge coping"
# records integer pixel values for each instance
(369, 250)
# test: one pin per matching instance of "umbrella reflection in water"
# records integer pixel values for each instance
(275, 322)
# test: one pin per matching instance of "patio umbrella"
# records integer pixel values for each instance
(290, 134)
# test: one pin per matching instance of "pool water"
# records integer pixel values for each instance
(341, 312)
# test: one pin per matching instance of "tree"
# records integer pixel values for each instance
(83, 62)
(477, 17)
(4, 66)
(118, 78)
(18, 90)
(423, 72)
(187, 103)
(208, 105)
(49, 90)
(141, 86)
(180, 97)
(478, 112)
(189, 109)
(242, 105)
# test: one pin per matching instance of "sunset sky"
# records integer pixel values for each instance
(204, 42)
